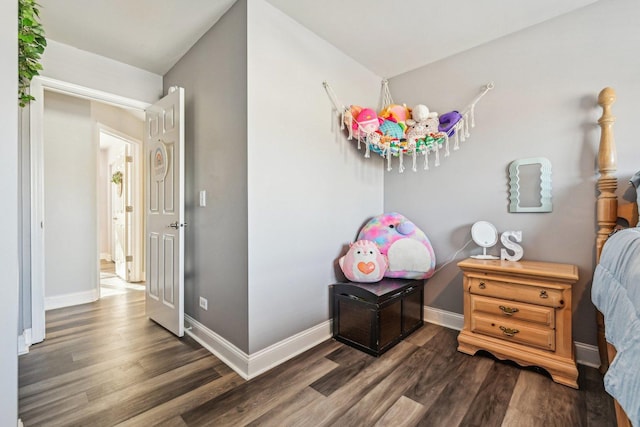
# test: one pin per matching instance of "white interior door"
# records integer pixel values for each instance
(164, 155)
(119, 217)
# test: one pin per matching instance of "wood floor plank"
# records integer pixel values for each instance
(325, 412)
(251, 400)
(351, 362)
(64, 405)
(172, 422)
(144, 401)
(380, 398)
(424, 334)
(452, 404)
(105, 364)
(163, 363)
(432, 381)
(601, 412)
(117, 407)
(49, 397)
(278, 414)
(492, 400)
(403, 413)
(537, 396)
(65, 375)
(186, 402)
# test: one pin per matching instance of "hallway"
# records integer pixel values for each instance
(111, 284)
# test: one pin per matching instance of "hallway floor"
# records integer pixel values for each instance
(111, 284)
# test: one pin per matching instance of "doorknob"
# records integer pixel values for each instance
(176, 225)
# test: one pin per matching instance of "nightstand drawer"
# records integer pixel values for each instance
(518, 332)
(538, 295)
(506, 309)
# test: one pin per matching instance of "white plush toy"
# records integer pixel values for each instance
(422, 123)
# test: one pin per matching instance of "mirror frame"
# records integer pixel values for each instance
(545, 185)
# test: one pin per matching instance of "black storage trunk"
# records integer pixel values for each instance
(373, 317)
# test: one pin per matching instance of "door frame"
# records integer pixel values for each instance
(137, 197)
(36, 144)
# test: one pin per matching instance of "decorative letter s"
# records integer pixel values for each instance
(507, 243)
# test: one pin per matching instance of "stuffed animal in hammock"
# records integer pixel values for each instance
(396, 113)
(365, 123)
(422, 123)
(390, 131)
(407, 249)
(448, 121)
(363, 262)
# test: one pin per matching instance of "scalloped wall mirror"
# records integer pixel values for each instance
(530, 185)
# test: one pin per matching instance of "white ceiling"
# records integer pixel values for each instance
(389, 38)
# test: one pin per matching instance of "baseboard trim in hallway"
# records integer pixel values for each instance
(251, 365)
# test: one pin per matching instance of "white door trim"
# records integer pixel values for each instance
(36, 113)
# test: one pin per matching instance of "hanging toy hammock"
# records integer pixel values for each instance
(398, 131)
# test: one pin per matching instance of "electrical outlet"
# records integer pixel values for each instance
(204, 304)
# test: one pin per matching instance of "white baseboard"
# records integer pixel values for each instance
(67, 300)
(251, 365)
(272, 356)
(444, 318)
(586, 354)
(24, 342)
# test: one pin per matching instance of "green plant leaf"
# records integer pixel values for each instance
(31, 46)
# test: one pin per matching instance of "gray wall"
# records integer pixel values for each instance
(214, 75)
(71, 146)
(309, 188)
(9, 214)
(70, 164)
(259, 140)
(547, 79)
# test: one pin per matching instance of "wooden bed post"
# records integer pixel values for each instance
(607, 205)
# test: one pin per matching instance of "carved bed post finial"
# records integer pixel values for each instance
(607, 204)
(607, 158)
(607, 208)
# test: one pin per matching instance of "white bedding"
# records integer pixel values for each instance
(616, 293)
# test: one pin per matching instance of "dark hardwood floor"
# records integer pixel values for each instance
(106, 364)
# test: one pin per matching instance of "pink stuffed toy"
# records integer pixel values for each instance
(365, 123)
(363, 262)
(407, 248)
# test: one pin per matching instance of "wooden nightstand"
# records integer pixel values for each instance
(521, 311)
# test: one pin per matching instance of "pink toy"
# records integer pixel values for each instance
(365, 122)
(408, 250)
(395, 112)
(363, 262)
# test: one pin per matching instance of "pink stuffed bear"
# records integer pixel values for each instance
(363, 262)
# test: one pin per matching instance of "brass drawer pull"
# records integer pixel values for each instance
(508, 310)
(482, 285)
(543, 294)
(508, 331)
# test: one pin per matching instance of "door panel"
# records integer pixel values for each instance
(119, 227)
(164, 148)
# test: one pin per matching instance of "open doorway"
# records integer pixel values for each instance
(64, 182)
(120, 213)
